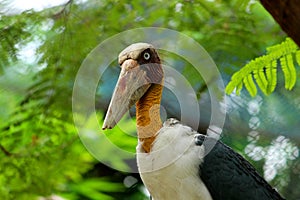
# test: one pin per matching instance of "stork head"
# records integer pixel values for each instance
(140, 68)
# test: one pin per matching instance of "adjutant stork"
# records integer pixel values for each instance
(176, 162)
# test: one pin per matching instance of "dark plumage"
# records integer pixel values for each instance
(228, 176)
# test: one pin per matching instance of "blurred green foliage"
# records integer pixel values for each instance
(41, 154)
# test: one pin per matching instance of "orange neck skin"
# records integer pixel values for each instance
(148, 116)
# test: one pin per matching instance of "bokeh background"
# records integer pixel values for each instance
(42, 47)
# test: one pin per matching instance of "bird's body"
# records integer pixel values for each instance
(170, 170)
(183, 169)
(176, 162)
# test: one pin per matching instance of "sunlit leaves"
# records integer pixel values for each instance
(264, 69)
(261, 79)
(15, 31)
(289, 71)
(298, 57)
(250, 85)
(271, 75)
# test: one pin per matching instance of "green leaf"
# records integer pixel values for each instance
(298, 57)
(271, 74)
(264, 69)
(289, 71)
(230, 87)
(239, 88)
(250, 85)
(261, 80)
(292, 71)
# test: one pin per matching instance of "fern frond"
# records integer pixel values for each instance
(250, 85)
(289, 71)
(298, 57)
(271, 74)
(239, 88)
(261, 80)
(264, 70)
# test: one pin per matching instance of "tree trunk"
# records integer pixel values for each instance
(287, 15)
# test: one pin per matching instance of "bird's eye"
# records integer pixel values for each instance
(146, 56)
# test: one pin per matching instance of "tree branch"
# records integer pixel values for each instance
(287, 15)
(63, 10)
(7, 153)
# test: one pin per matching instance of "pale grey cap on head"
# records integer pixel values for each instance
(133, 51)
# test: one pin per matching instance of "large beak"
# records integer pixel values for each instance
(131, 86)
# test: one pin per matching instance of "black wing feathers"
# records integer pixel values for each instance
(228, 176)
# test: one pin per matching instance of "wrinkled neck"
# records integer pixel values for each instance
(148, 116)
